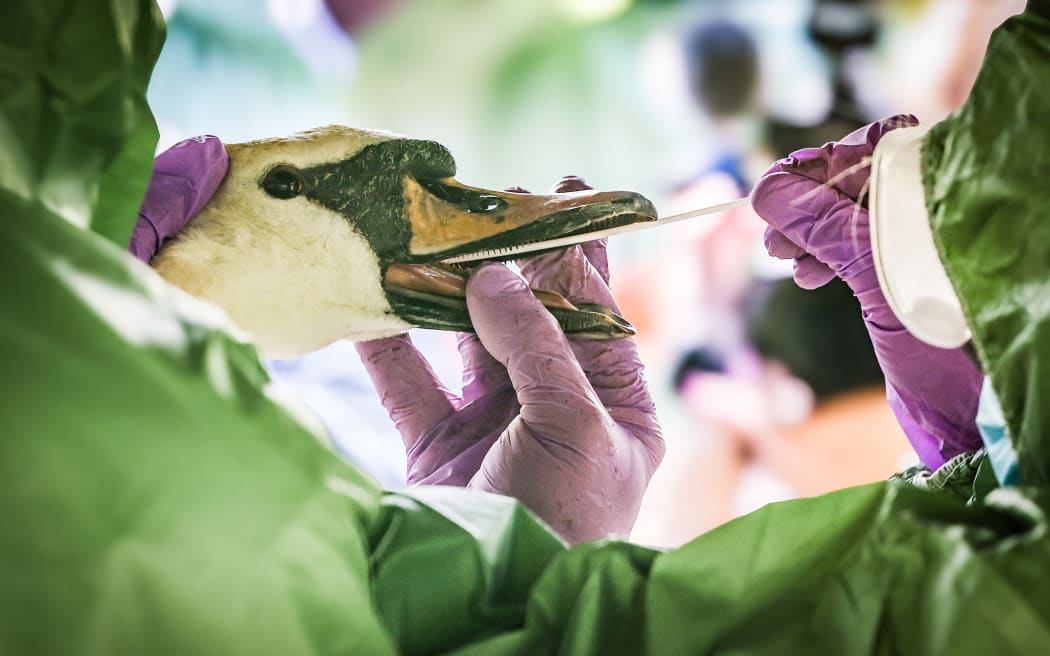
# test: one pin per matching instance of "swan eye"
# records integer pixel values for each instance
(282, 181)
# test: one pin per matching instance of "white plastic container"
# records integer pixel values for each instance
(906, 260)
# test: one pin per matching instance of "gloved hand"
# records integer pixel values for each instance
(566, 427)
(184, 179)
(810, 200)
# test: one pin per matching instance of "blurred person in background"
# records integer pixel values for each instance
(706, 267)
(769, 424)
(746, 396)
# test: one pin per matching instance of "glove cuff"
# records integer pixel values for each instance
(185, 177)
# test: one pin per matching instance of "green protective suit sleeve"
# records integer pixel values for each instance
(155, 498)
(159, 498)
(984, 172)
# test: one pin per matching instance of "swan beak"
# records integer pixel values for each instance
(447, 219)
(435, 296)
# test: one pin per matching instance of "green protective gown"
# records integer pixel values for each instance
(985, 175)
(158, 497)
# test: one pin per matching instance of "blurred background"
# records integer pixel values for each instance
(765, 391)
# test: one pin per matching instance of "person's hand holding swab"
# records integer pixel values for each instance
(814, 203)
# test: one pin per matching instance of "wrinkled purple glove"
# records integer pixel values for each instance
(810, 201)
(185, 178)
(566, 427)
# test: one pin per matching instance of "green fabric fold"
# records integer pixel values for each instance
(78, 135)
(157, 499)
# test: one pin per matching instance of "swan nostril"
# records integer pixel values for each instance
(468, 199)
(484, 203)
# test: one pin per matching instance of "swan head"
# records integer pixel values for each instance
(338, 233)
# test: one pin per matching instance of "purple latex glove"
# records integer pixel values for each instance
(566, 427)
(810, 201)
(185, 178)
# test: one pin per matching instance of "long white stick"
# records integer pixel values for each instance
(561, 242)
